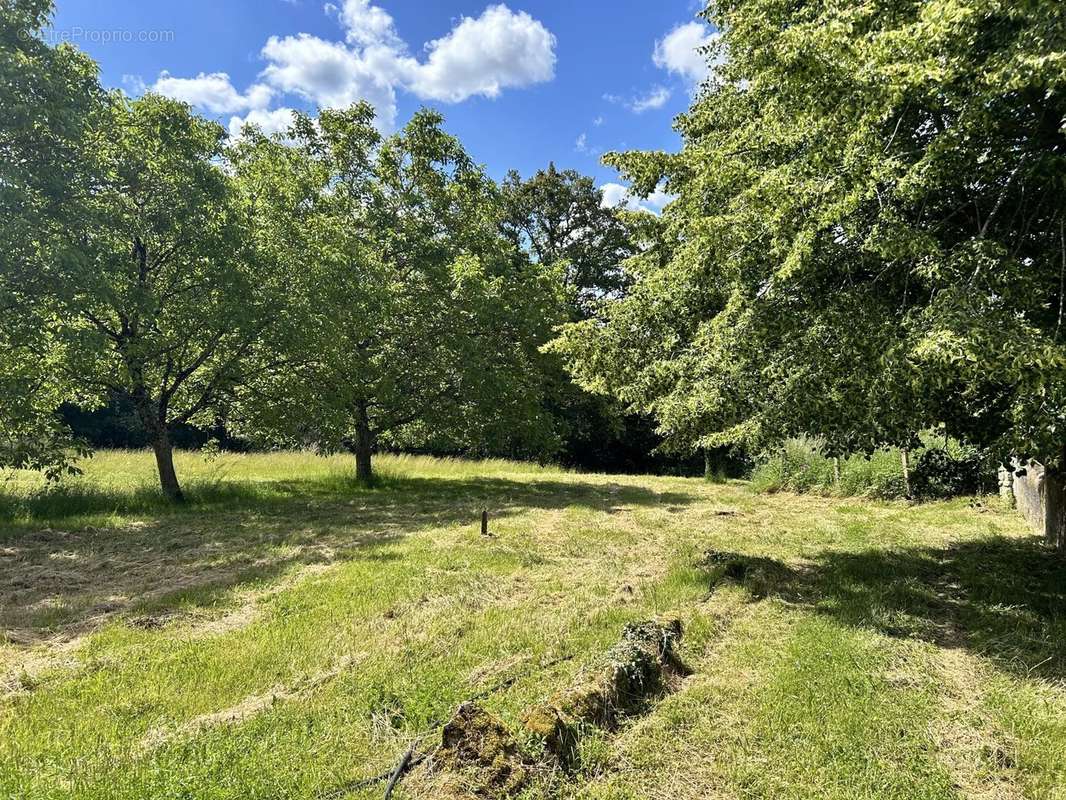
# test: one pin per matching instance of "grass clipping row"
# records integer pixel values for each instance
(479, 757)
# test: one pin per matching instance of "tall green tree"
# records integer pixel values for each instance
(868, 239)
(409, 317)
(50, 98)
(559, 218)
(163, 305)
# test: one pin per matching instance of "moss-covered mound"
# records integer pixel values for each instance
(477, 758)
(643, 665)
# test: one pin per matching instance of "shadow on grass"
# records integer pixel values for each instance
(64, 570)
(1001, 598)
(69, 502)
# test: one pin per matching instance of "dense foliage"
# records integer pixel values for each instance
(940, 469)
(328, 287)
(48, 96)
(867, 239)
(407, 316)
(558, 218)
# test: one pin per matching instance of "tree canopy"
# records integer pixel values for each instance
(868, 236)
(409, 318)
(50, 98)
(164, 304)
(559, 218)
(867, 241)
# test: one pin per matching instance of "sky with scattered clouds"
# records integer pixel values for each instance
(521, 83)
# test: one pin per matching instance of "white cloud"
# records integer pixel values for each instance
(682, 51)
(500, 49)
(598, 121)
(581, 145)
(332, 75)
(615, 195)
(658, 200)
(482, 55)
(365, 24)
(655, 98)
(213, 92)
(277, 120)
(134, 84)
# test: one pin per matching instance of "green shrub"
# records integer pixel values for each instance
(879, 475)
(939, 469)
(799, 466)
(939, 474)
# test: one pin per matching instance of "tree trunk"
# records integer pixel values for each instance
(708, 465)
(164, 461)
(364, 445)
(153, 416)
(905, 459)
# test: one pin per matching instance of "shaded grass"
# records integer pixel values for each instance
(117, 484)
(119, 547)
(293, 633)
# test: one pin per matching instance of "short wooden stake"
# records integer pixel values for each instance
(905, 459)
(485, 522)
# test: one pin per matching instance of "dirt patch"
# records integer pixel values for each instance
(477, 758)
(643, 666)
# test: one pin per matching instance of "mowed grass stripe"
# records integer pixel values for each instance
(420, 614)
(288, 633)
(791, 705)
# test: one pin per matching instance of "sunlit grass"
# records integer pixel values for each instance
(117, 483)
(288, 631)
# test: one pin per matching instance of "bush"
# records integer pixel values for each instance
(939, 474)
(878, 475)
(800, 466)
(946, 470)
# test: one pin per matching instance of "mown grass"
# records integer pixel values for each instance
(288, 633)
(118, 483)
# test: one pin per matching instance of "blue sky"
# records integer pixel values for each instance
(521, 84)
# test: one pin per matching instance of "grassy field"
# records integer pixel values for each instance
(288, 634)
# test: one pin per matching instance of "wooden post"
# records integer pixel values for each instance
(485, 522)
(836, 470)
(905, 458)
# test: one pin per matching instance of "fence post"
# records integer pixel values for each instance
(905, 458)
